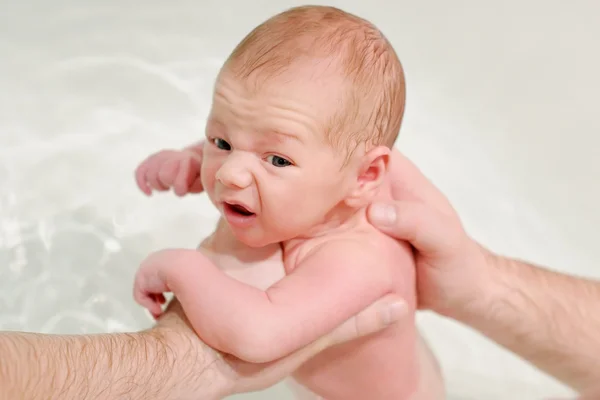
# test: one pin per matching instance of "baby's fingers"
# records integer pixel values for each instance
(166, 173)
(150, 302)
(196, 186)
(140, 178)
(155, 310)
(160, 298)
(189, 169)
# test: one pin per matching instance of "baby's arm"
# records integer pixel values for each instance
(336, 281)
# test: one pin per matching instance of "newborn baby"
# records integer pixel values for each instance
(298, 142)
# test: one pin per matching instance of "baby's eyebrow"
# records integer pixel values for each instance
(214, 123)
(282, 136)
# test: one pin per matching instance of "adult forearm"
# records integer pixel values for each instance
(547, 318)
(110, 366)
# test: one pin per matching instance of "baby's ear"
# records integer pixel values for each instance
(372, 169)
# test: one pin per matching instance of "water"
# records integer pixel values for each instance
(501, 115)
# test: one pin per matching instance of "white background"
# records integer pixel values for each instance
(501, 114)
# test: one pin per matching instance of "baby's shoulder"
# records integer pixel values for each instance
(364, 243)
(367, 236)
(383, 251)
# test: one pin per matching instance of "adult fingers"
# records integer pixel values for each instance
(382, 313)
(410, 184)
(379, 315)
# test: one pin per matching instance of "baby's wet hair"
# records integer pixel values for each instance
(373, 106)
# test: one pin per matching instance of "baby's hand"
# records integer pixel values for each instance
(149, 287)
(177, 169)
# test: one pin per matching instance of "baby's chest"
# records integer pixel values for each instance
(255, 267)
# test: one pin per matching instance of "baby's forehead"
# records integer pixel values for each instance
(337, 62)
(325, 71)
(315, 91)
(310, 84)
(277, 103)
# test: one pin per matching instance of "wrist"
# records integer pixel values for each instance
(196, 368)
(482, 288)
(498, 302)
(193, 367)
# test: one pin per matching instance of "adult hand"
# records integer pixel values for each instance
(450, 276)
(166, 362)
(546, 317)
(218, 375)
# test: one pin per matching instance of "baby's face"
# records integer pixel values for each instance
(266, 164)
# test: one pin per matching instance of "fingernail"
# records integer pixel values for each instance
(383, 214)
(393, 313)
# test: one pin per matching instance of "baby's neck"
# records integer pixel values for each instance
(224, 241)
(341, 220)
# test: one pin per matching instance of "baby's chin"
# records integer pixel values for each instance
(258, 238)
(255, 239)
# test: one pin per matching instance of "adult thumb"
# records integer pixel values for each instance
(388, 310)
(425, 228)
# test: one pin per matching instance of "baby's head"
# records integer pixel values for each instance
(305, 112)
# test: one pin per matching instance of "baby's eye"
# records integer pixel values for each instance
(221, 144)
(278, 161)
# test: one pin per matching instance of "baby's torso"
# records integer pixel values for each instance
(263, 267)
(382, 366)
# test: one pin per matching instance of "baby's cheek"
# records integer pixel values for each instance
(294, 217)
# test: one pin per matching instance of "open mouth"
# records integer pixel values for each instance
(238, 209)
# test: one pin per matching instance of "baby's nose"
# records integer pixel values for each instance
(235, 173)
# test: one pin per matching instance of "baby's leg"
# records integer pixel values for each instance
(300, 392)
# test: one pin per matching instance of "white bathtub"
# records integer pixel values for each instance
(501, 115)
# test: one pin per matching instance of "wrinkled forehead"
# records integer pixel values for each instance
(299, 80)
(309, 93)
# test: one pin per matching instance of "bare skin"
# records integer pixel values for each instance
(548, 318)
(451, 267)
(261, 329)
(287, 196)
(267, 314)
(168, 361)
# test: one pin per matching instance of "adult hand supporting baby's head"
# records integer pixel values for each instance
(451, 267)
(204, 372)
